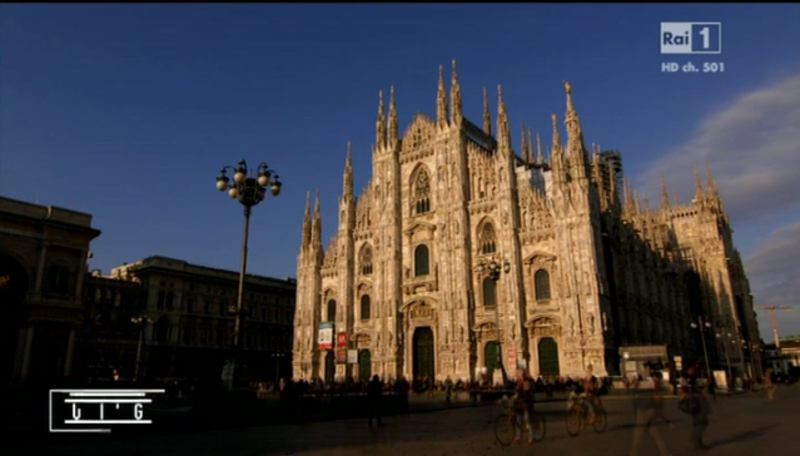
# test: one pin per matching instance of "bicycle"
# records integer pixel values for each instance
(506, 424)
(578, 414)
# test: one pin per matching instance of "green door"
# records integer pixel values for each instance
(330, 366)
(548, 357)
(364, 365)
(423, 353)
(491, 356)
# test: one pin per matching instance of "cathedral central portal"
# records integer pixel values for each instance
(424, 363)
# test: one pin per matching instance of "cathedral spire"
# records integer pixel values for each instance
(575, 149)
(698, 186)
(555, 154)
(664, 194)
(711, 187)
(456, 113)
(347, 177)
(392, 134)
(612, 180)
(441, 101)
(503, 132)
(380, 124)
(539, 157)
(523, 143)
(306, 240)
(316, 223)
(487, 117)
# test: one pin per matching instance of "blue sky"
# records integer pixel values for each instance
(129, 111)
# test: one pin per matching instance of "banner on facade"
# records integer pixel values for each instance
(341, 357)
(512, 357)
(352, 356)
(325, 337)
(341, 340)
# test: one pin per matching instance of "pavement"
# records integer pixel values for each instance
(743, 424)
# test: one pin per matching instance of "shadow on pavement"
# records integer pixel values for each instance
(745, 436)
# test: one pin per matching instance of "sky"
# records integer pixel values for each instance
(129, 111)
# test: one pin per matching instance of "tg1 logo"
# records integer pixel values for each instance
(691, 38)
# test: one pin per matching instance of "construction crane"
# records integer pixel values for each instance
(774, 322)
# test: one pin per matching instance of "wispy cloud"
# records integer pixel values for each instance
(752, 147)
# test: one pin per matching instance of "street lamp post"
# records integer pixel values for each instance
(249, 191)
(278, 357)
(492, 270)
(727, 354)
(702, 326)
(141, 321)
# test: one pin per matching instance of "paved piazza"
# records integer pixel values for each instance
(746, 424)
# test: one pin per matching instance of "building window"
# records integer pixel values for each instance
(204, 336)
(263, 314)
(489, 292)
(188, 335)
(162, 329)
(220, 337)
(162, 297)
(170, 299)
(422, 193)
(331, 310)
(220, 309)
(541, 282)
(59, 280)
(421, 267)
(207, 308)
(117, 299)
(190, 305)
(487, 240)
(365, 302)
(366, 260)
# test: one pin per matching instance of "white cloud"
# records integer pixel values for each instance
(752, 147)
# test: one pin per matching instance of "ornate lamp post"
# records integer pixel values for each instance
(249, 191)
(702, 326)
(141, 321)
(492, 270)
(278, 358)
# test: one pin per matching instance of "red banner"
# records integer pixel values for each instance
(341, 357)
(341, 340)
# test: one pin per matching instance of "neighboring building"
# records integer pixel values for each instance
(592, 271)
(43, 252)
(781, 359)
(108, 337)
(192, 333)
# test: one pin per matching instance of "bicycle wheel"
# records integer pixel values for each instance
(539, 424)
(574, 422)
(600, 421)
(504, 429)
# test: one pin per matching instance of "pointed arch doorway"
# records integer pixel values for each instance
(423, 353)
(330, 366)
(491, 358)
(548, 357)
(364, 365)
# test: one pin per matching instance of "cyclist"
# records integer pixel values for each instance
(590, 393)
(523, 405)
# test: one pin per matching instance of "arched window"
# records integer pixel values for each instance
(421, 266)
(422, 193)
(487, 240)
(162, 297)
(366, 260)
(365, 303)
(332, 310)
(59, 280)
(162, 329)
(541, 281)
(170, 299)
(489, 292)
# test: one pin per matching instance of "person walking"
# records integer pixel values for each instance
(700, 420)
(448, 388)
(647, 406)
(769, 385)
(374, 393)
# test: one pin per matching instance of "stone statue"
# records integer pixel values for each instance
(571, 323)
(462, 334)
(591, 324)
(567, 87)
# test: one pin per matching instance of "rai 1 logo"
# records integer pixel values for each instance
(691, 38)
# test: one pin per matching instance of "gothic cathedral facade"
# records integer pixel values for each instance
(461, 254)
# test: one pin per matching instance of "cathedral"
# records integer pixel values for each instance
(463, 257)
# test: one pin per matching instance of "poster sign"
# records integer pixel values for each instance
(721, 379)
(341, 357)
(352, 356)
(512, 357)
(341, 340)
(325, 337)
